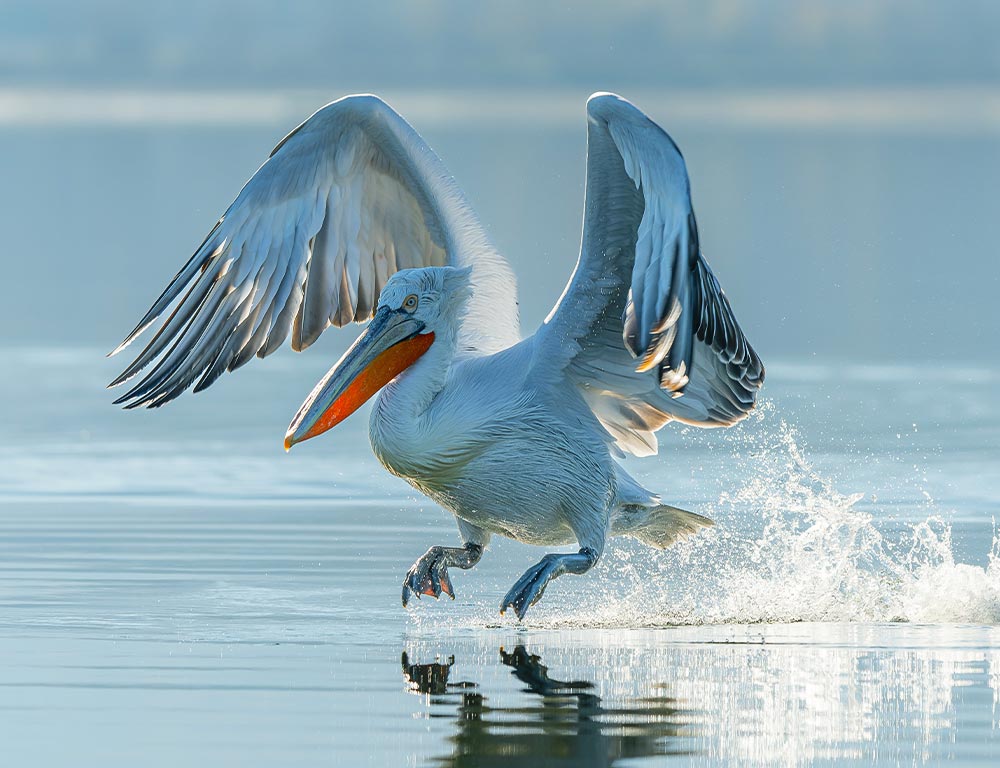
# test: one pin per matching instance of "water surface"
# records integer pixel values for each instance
(176, 590)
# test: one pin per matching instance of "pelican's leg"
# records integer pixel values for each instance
(529, 588)
(429, 575)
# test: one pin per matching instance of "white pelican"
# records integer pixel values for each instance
(353, 217)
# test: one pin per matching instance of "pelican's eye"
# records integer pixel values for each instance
(410, 303)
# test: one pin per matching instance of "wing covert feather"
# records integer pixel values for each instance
(643, 327)
(349, 197)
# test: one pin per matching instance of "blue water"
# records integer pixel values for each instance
(174, 589)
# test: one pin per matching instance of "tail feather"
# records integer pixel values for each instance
(658, 526)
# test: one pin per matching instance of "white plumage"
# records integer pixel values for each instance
(353, 213)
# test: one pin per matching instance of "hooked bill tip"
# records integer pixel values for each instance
(288, 443)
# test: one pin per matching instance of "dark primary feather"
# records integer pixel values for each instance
(344, 201)
(643, 326)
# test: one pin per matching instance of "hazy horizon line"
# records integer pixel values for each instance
(955, 109)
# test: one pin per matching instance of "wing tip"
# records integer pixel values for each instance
(364, 100)
(600, 99)
(604, 105)
(121, 401)
(146, 321)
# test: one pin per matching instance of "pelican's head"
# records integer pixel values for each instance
(414, 305)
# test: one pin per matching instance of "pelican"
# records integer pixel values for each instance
(353, 217)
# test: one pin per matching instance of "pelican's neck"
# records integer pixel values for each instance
(406, 398)
(402, 427)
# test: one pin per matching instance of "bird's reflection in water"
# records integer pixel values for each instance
(568, 725)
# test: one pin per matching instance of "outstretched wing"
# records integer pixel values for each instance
(345, 200)
(643, 326)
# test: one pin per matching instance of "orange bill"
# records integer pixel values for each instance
(391, 344)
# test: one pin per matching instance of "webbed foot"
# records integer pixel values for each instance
(529, 589)
(429, 575)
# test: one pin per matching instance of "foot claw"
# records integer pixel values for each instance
(529, 589)
(445, 581)
(409, 588)
(428, 576)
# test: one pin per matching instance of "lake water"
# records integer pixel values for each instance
(176, 590)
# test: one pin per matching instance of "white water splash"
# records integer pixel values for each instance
(788, 547)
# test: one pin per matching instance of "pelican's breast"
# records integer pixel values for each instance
(429, 450)
(448, 449)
